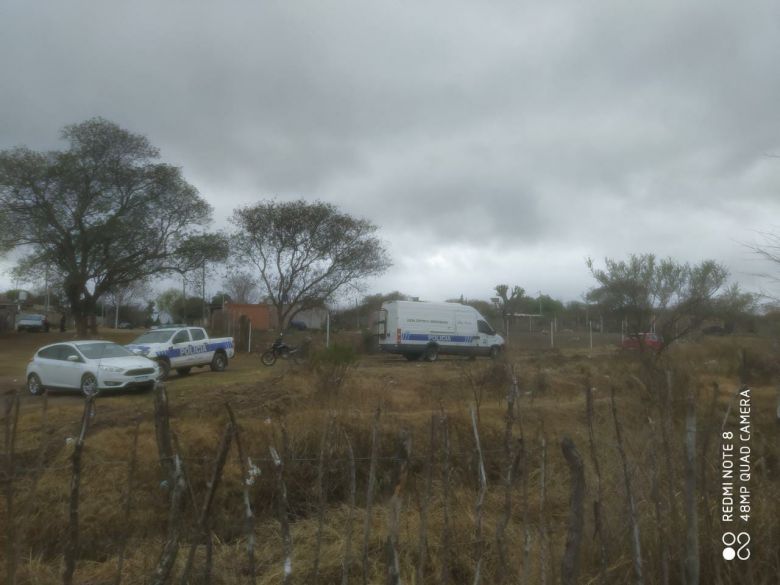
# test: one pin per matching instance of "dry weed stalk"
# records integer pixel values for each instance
(667, 417)
(347, 562)
(283, 506)
(202, 528)
(655, 494)
(394, 509)
(636, 548)
(597, 503)
(247, 480)
(370, 490)
(11, 425)
(446, 497)
(512, 460)
(321, 496)
(570, 565)
(422, 546)
(691, 511)
(543, 536)
(129, 487)
(482, 479)
(707, 434)
(72, 537)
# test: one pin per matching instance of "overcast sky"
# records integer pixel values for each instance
(490, 141)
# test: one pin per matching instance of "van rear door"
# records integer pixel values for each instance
(467, 329)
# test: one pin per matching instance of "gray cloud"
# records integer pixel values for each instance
(480, 137)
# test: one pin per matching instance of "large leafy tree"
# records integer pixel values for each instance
(305, 253)
(102, 214)
(678, 296)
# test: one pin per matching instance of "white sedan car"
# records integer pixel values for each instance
(89, 366)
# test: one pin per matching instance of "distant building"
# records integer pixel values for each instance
(262, 316)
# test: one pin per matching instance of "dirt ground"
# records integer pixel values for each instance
(288, 406)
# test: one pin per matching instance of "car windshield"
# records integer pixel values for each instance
(154, 337)
(103, 349)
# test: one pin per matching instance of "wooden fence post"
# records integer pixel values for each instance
(247, 480)
(482, 478)
(11, 425)
(72, 539)
(636, 548)
(570, 565)
(512, 456)
(174, 472)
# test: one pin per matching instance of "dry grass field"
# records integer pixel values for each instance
(431, 517)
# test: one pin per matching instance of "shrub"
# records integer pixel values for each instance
(331, 367)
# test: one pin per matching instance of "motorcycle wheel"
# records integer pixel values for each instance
(268, 358)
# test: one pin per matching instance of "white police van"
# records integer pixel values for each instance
(424, 330)
(183, 348)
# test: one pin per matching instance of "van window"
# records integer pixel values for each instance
(483, 327)
(197, 334)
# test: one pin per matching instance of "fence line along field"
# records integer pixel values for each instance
(545, 466)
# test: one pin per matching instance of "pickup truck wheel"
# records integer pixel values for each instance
(431, 353)
(34, 385)
(165, 369)
(89, 385)
(219, 362)
(183, 371)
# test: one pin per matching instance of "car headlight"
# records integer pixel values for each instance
(111, 369)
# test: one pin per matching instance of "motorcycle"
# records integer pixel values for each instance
(280, 349)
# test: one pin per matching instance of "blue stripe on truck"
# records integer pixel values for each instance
(438, 338)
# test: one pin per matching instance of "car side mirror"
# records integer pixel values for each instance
(73, 358)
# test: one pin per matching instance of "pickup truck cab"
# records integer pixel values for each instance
(183, 348)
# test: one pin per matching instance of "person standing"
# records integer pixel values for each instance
(62, 322)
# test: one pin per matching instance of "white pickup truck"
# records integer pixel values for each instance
(183, 348)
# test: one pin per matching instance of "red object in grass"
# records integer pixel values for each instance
(642, 341)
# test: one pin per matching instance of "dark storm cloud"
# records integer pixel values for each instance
(589, 128)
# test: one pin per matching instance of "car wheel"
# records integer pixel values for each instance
(89, 385)
(431, 353)
(268, 358)
(34, 385)
(183, 371)
(165, 369)
(494, 351)
(219, 362)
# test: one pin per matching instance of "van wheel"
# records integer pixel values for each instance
(494, 351)
(431, 353)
